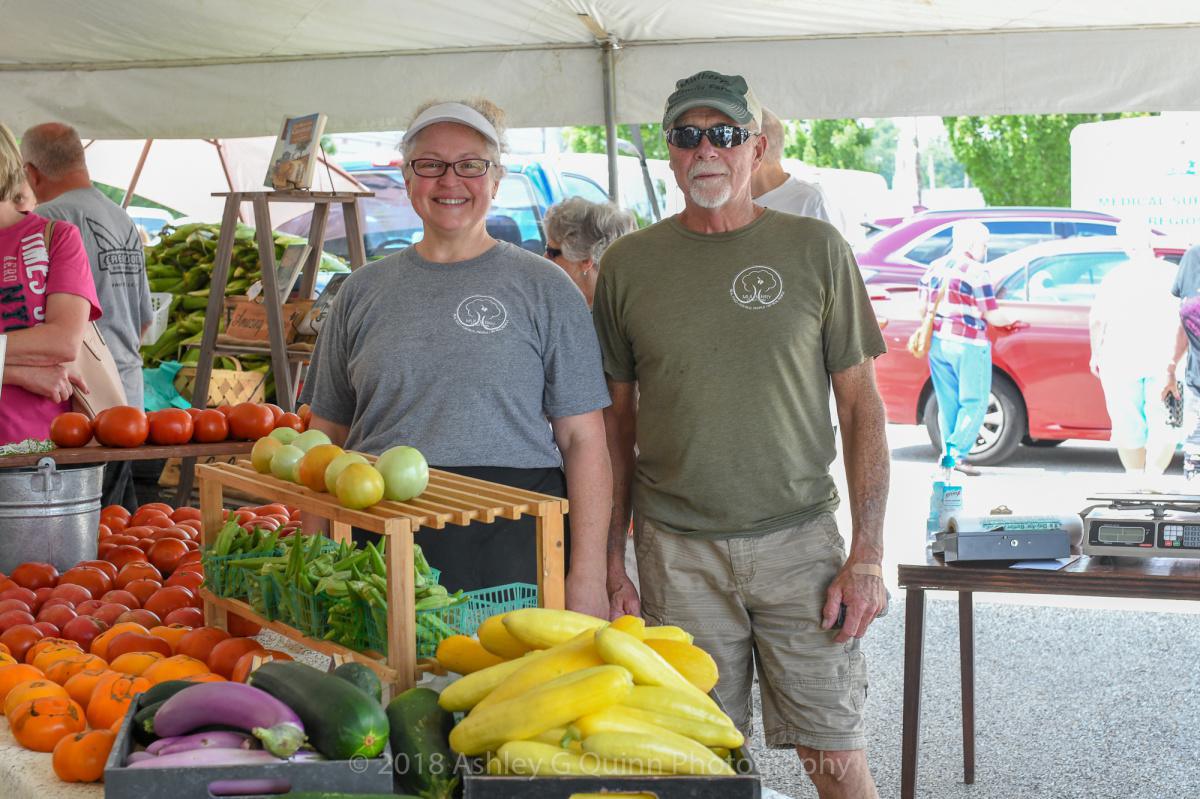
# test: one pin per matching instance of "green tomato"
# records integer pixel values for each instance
(335, 467)
(284, 462)
(405, 473)
(309, 439)
(264, 450)
(359, 486)
(284, 435)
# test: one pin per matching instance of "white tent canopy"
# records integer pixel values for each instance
(176, 68)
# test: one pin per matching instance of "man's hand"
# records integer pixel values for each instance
(586, 594)
(1171, 387)
(862, 594)
(623, 597)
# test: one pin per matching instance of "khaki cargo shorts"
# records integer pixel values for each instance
(755, 602)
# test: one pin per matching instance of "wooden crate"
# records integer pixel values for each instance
(449, 499)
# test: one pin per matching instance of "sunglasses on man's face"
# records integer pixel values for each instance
(723, 136)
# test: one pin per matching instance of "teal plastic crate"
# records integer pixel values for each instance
(463, 619)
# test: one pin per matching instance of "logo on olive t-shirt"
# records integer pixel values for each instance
(757, 287)
(480, 313)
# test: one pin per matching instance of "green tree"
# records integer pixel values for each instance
(838, 143)
(947, 170)
(591, 139)
(1019, 160)
(881, 155)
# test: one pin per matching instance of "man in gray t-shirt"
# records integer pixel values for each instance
(58, 175)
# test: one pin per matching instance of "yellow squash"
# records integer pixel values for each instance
(532, 759)
(465, 692)
(705, 732)
(696, 665)
(554, 704)
(672, 702)
(542, 628)
(549, 664)
(665, 751)
(496, 639)
(634, 625)
(669, 633)
(462, 654)
(646, 665)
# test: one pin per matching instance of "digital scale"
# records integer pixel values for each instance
(1144, 525)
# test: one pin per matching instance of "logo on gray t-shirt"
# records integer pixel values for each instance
(480, 313)
(117, 256)
(757, 287)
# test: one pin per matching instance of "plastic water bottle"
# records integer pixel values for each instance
(945, 501)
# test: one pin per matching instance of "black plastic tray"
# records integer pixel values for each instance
(363, 776)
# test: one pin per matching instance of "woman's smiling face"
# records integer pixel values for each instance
(450, 204)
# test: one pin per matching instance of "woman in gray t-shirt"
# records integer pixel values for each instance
(478, 353)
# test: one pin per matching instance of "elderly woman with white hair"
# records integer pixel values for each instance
(577, 234)
(479, 354)
(960, 354)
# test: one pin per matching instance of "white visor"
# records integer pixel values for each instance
(453, 112)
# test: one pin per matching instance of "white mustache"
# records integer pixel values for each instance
(704, 170)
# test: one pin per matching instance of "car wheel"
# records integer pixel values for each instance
(1003, 425)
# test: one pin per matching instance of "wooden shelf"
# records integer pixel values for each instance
(296, 196)
(76, 455)
(373, 660)
(448, 499)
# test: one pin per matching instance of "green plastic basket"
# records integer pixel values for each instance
(308, 613)
(262, 593)
(461, 619)
(227, 581)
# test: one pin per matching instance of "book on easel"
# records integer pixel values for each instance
(287, 272)
(296, 152)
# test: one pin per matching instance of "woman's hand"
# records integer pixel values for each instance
(55, 383)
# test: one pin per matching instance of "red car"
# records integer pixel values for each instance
(1042, 390)
(900, 254)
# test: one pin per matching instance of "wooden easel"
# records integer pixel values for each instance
(281, 358)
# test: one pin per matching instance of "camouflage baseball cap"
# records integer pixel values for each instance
(728, 94)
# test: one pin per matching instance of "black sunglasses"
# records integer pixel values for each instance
(723, 136)
(553, 252)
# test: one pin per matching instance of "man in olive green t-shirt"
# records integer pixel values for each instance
(722, 330)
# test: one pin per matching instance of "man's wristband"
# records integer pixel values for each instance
(873, 569)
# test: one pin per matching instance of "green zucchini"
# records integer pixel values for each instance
(420, 736)
(143, 723)
(362, 677)
(340, 720)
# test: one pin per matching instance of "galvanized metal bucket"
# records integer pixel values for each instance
(49, 513)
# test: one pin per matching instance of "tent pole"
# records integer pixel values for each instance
(635, 133)
(137, 173)
(610, 46)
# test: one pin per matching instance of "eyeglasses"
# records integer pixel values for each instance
(553, 252)
(467, 168)
(723, 136)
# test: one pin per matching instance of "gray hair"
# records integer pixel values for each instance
(492, 112)
(54, 148)
(12, 169)
(772, 128)
(969, 236)
(584, 229)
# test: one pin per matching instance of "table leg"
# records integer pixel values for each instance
(914, 649)
(550, 565)
(966, 656)
(183, 493)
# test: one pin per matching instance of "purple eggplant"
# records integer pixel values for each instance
(234, 705)
(203, 740)
(248, 787)
(138, 757)
(208, 757)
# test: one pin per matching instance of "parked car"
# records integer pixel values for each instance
(528, 189)
(1042, 390)
(899, 254)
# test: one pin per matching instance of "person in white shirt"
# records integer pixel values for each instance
(772, 187)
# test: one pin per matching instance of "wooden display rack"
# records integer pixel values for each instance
(449, 499)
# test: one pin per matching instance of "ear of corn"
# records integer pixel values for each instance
(496, 639)
(665, 752)
(542, 628)
(577, 654)
(554, 704)
(696, 665)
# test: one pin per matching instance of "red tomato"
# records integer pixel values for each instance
(290, 420)
(275, 410)
(126, 553)
(166, 552)
(167, 599)
(183, 514)
(188, 579)
(225, 409)
(189, 616)
(210, 427)
(161, 507)
(102, 565)
(194, 412)
(122, 426)
(250, 421)
(115, 511)
(71, 430)
(304, 412)
(143, 590)
(34, 575)
(170, 427)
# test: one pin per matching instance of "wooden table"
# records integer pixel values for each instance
(1134, 578)
(77, 455)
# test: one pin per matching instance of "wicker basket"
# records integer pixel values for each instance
(226, 386)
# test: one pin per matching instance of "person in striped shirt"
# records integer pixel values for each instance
(960, 354)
